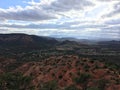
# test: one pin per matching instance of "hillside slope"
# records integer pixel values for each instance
(72, 71)
(24, 40)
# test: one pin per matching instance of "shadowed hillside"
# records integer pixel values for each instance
(24, 40)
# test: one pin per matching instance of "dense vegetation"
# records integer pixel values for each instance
(15, 81)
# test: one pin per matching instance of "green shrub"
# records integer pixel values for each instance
(15, 81)
(72, 87)
(52, 85)
(93, 88)
(82, 78)
(102, 84)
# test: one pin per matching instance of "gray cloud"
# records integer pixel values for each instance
(113, 21)
(67, 5)
(4, 30)
(36, 26)
(113, 28)
(107, 0)
(34, 14)
(66, 25)
(115, 11)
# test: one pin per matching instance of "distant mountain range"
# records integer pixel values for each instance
(84, 41)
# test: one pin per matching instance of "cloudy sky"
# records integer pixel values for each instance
(84, 19)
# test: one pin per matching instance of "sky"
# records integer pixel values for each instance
(82, 19)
